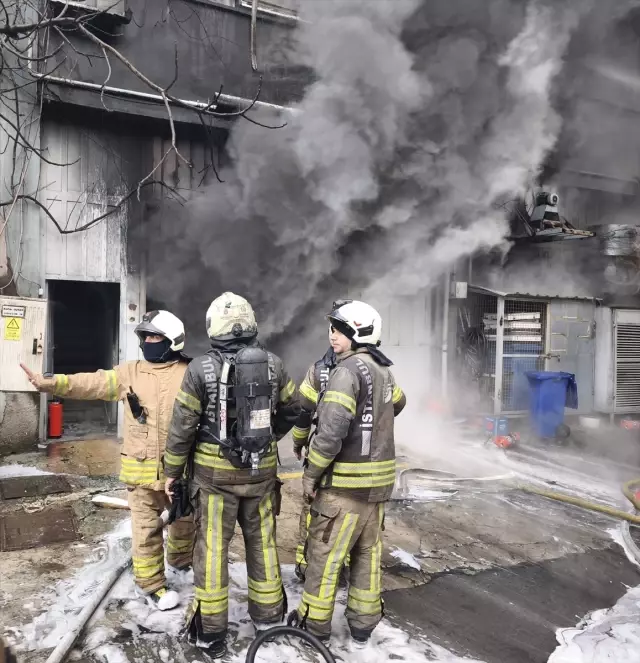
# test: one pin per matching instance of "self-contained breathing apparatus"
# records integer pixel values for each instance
(243, 399)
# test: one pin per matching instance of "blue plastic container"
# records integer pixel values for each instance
(497, 426)
(550, 394)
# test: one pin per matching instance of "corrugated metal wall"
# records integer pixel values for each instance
(95, 175)
(174, 172)
(92, 166)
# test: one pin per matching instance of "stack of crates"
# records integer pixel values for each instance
(521, 353)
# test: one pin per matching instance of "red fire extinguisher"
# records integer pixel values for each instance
(55, 418)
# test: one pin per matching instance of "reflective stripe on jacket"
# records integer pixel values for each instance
(313, 385)
(354, 448)
(191, 409)
(156, 386)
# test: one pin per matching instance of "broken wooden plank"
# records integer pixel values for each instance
(110, 502)
(19, 531)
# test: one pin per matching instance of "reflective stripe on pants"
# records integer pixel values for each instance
(252, 506)
(147, 548)
(341, 525)
(303, 532)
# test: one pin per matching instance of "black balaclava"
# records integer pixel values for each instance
(329, 358)
(158, 353)
(230, 344)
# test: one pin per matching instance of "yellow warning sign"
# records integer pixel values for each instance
(12, 329)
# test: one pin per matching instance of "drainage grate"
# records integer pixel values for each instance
(16, 487)
(19, 531)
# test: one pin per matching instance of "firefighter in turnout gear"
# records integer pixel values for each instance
(350, 475)
(312, 386)
(236, 401)
(149, 389)
(310, 392)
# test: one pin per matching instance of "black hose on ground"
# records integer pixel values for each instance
(296, 632)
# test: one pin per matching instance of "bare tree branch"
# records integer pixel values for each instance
(114, 208)
(107, 79)
(25, 30)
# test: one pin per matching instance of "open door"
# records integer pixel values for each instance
(82, 337)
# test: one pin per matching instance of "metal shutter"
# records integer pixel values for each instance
(627, 356)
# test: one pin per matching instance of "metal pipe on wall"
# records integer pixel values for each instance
(444, 383)
(231, 100)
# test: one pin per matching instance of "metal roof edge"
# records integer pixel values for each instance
(483, 290)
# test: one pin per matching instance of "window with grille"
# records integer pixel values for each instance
(105, 14)
(288, 8)
(523, 350)
(627, 366)
(109, 6)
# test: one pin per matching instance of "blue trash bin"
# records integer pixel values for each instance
(550, 394)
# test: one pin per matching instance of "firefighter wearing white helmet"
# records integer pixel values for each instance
(350, 475)
(148, 389)
(311, 390)
(235, 402)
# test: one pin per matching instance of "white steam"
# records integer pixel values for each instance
(506, 161)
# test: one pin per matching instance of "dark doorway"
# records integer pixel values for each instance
(83, 337)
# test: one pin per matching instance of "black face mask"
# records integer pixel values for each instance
(157, 353)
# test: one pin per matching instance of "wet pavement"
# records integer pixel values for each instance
(478, 567)
(510, 615)
(95, 457)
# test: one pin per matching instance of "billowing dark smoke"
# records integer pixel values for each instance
(422, 116)
(597, 93)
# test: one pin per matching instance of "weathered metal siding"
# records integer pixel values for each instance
(100, 164)
(78, 192)
(413, 337)
(572, 347)
(175, 173)
(211, 43)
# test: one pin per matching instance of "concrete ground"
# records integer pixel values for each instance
(479, 567)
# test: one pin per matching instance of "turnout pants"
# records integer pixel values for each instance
(218, 508)
(303, 528)
(339, 525)
(146, 507)
(303, 533)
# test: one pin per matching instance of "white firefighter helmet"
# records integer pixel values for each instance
(230, 315)
(162, 323)
(358, 321)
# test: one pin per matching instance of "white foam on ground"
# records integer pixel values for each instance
(67, 598)
(8, 471)
(132, 612)
(406, 558)
(604, 635)
(426, 495)
(617, 536)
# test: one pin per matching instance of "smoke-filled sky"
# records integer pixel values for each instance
(422, 116)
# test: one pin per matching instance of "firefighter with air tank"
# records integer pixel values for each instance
(233, 405)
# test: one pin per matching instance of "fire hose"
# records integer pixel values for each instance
(448, 478)
(63, 648)
(582, 503)
(295, 631)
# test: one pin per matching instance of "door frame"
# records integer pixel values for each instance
(120, 327)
